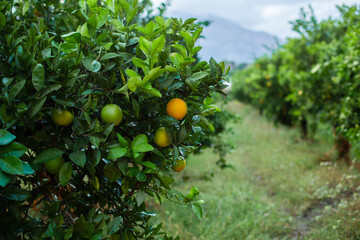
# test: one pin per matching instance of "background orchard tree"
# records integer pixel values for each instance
(311, 79)
(84, 88)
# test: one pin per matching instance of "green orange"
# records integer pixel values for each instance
(53, 166)
(62, 117)
(161, 138)
(112, 113)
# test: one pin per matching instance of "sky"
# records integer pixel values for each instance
(271, 16)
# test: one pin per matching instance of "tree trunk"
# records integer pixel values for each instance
(343, 147)
(304, 128)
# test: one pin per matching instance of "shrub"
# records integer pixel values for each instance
(78, 57)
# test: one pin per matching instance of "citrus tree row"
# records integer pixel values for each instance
(312, 78)
(101, 102)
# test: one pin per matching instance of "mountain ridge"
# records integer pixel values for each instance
(225, 40)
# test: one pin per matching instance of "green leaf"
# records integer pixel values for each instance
(109, 56)
(27, 169)
(17, 194)
(16, 89)
(190, 42)
(64, 102)
(199, 75)
(2, 20)
(118, 25)
(157, 46)
(131, 15)
(84, 31)
(153, 74)
(11, 165)
(216, 70)
(193, 85)
(125, 185)
(140, 197)
(49, 89)
(48, 155)
(4, 179)
(140, 63)
(134, 82)
(197, 209)
(165, 181)
(144, 45)
(36, 107)
(206, 123)
(102, 18)
(38, 77)
(92, 3)
(176, 153)
(83, 228)
(112, 172)
(68, 47)
(143, 147)
(153, 92)
(116, 152)
(125, 5)
(73, 37)
(148, 164)
(136, 107)
(65, 173)
(122, 141)
(194, 192)
(95, 141)
(79, 158)
(111, 5)
(6, 137)
(176, 59)
(87, 62)
(114, 225)
(182, 50)
(139, 139)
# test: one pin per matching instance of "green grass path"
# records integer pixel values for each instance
(270, 194)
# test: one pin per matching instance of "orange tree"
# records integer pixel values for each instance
(84, 88)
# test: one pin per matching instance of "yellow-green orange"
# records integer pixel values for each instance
(176, 108)
(161, 138)
(180, 165)
(112, 113)
(62, 117)
(53, 166)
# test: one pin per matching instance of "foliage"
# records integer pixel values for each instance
(81, 56)
(311, 78)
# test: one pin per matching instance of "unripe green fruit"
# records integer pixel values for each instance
(112, 113)
(53, 166)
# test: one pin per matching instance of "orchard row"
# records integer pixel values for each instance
(313, 78)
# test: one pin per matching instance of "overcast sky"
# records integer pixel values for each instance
(271, 16)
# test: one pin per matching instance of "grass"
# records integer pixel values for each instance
(277, 191)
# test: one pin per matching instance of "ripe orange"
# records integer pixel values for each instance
(180, 165)
(62, 117)
(112, 113)
(161, 138)
(53, 166)
(176, 108)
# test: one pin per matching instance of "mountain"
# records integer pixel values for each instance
(227, 40)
